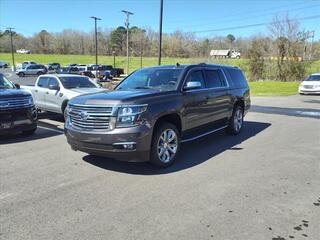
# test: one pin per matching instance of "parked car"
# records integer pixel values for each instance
(53, 91)
(84, 68)
(311, 85)
(33, 69)
(24, 64)
(153, 110)
(116, 72)
(94, 66)
(54, 66)
(17, 110)
(87, 73)
(72, 65)
(101, 71)
(4, 64)
(68, 70)
(23, 51)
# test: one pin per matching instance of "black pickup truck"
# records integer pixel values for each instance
(155, 109)
(17, 110)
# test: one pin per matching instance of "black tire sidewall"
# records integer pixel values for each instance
(154, 158)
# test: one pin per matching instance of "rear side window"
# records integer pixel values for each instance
(43, 82)
(214, 79)
(237, 78)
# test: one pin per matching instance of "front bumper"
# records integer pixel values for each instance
(309, 90)
(17, 120)
(107, 143)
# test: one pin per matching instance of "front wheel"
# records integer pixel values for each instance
(29, 132)
(21, 74)
(236, 121)
(165, 145)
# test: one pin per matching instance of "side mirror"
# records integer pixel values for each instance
(192, 85)
(54, 87)
(17, 85)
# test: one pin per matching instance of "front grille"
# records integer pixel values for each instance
(308, 86)
(14, 103)
(86, 117)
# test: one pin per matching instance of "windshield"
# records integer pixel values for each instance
(152, 78)
(313, 78)
(5, 83)
(76, 82)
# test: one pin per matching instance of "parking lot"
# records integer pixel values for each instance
(261, 184)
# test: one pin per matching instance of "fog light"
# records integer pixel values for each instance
(125, 145)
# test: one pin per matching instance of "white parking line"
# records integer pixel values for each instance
(50, 129)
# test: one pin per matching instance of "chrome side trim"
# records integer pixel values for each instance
(204, 134)
(123, 143)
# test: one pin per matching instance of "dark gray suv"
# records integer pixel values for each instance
(155, 109)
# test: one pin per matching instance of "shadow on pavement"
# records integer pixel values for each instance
(191, 153)
(295, 112)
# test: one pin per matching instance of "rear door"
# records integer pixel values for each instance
(53, 97)
(29, 70)
(40, 92)
(219, 99)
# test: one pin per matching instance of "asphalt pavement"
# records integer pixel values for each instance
(262, 184)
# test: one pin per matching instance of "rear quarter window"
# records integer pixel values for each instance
(237, 77)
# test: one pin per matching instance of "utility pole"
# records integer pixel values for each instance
(312, 37)
(96, 39)
(160, 32)
(12, 52)
(127, 13)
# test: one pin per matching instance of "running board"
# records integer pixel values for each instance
(204, 134)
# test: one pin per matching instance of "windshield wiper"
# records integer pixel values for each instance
(142, 88)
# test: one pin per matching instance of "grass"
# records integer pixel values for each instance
(265, 88)
(272, 88)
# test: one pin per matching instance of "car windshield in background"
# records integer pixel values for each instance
(152, 78)
(5, 83)
(313, 78)
(76, 82)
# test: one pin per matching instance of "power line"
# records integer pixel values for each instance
(251, 17)
(253, 25)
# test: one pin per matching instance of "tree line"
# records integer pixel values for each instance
(279, 51)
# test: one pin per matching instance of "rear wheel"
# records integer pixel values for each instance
(39, 73)
(236, 121)
(21, 74)
(165, 145)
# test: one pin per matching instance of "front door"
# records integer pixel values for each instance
(53, 97)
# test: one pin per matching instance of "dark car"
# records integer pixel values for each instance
(153, 110)
(68, 70)
(4, 64)
(17, 110)
(102, 70)
(116, 72)
(53, 66)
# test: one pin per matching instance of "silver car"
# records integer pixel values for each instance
(33, 69)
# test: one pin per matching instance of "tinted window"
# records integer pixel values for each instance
(43, 82)
(53, 82)
(74, 69)
(5, 83)
(237, 77)
(104, 68)
(313, 78)
(214, 79)
(196, 76)
(76, 82)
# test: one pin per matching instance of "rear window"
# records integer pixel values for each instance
(237, 77)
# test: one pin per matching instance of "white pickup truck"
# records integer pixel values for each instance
(52, 92)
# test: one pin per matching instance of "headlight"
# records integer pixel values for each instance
(130, 115)
(30, 101)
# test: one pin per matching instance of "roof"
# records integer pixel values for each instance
(63, 75)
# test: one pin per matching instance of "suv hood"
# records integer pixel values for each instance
(13, 93)
(114, 97)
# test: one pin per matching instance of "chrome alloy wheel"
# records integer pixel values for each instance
(167, 145)
(238, 120)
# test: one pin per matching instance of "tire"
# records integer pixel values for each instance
(65, 115)
(39, 73)
(236, 121)
(161, 143)
(29, 132)
(21, 74)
